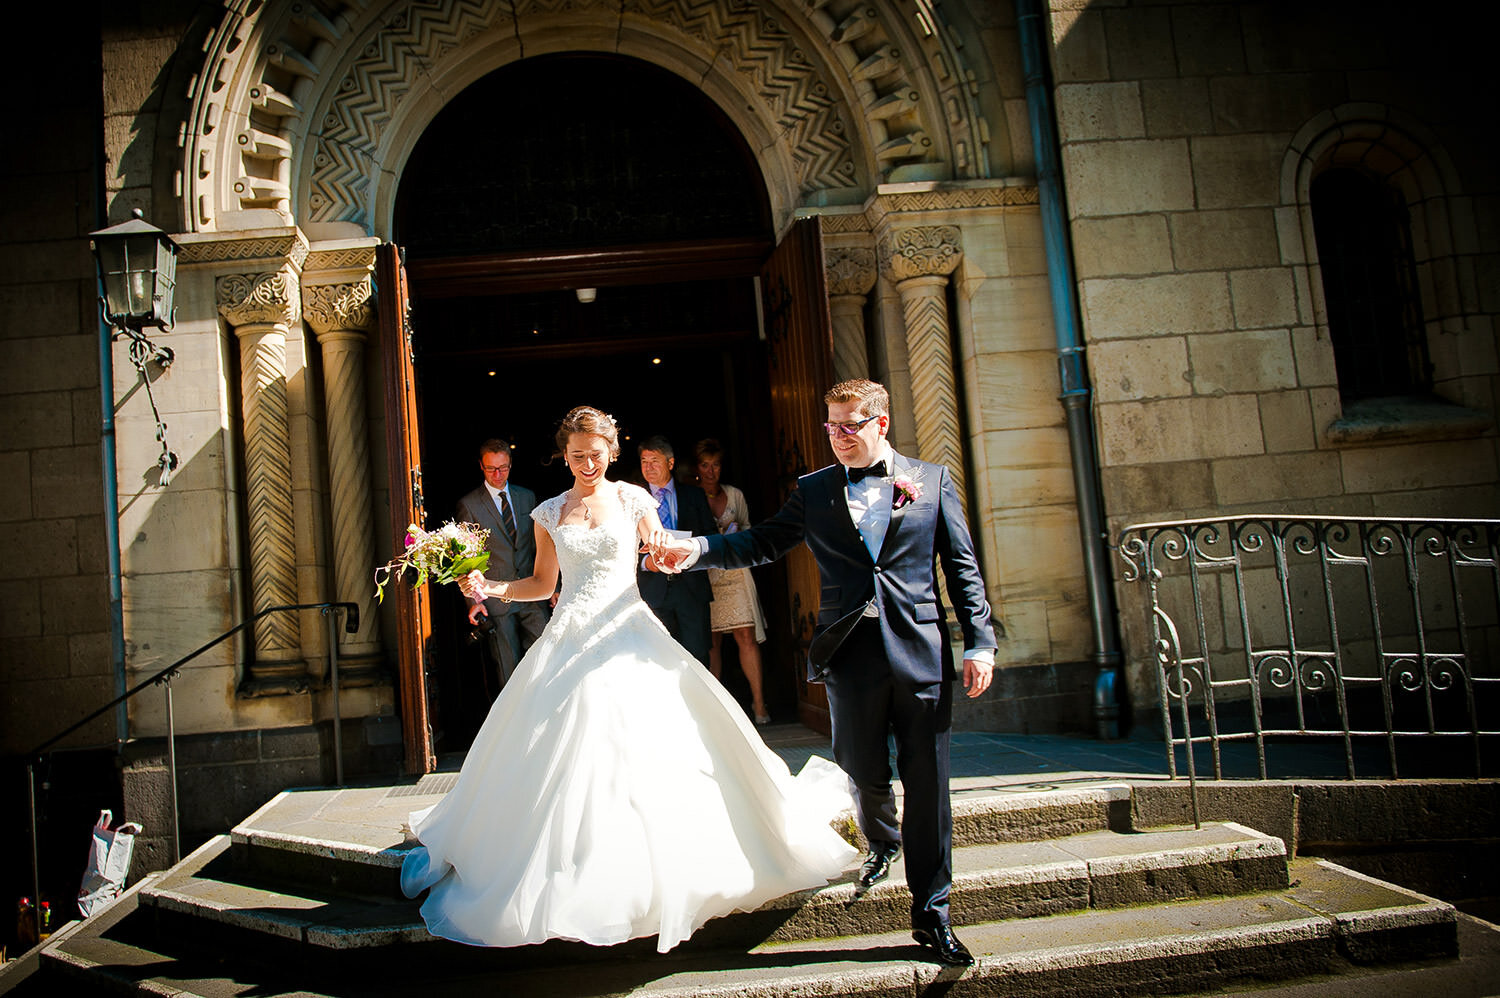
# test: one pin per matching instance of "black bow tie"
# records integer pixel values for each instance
(877, 469)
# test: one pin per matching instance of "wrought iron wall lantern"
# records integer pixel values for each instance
(137, 265)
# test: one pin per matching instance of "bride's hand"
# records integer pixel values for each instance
(472, 585)
(655, 538)
(671, 555)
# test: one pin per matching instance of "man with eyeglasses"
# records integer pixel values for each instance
(876, 522)
(504, 509)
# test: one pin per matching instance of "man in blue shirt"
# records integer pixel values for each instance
(679, 601)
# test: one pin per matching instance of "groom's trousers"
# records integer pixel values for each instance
(867, 704)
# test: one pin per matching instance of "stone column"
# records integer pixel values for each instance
(919, 260)
(341, 314)
(851, 275)
(260, 308)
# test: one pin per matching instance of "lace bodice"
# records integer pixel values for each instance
(598, 564)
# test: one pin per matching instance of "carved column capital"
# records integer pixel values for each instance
(329, 308)
(249, 299)
(920, 251)
(850, 269)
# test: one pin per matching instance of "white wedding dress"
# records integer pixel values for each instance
(616, 790)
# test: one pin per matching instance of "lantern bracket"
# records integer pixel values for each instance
(142, 353)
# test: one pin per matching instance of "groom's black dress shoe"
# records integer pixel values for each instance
(877, 865)
(944, 945)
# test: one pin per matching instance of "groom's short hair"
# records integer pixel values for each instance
(872, 397)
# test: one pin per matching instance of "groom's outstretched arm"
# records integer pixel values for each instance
(765, 542)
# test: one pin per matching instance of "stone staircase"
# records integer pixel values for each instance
(1055, 892)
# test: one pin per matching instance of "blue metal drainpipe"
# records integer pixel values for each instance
(107, 465)
(1074, 374)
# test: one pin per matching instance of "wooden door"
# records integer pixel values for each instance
(413, 610)
(799, 335)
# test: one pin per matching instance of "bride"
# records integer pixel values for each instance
(615, 790)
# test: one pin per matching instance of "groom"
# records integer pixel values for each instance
(875, 522)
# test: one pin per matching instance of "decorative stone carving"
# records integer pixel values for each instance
(843, 223)
(920, 251)
(804, 106)
(919, 260)
(246, 299)
(1009, 193)
(851, 275)
(332, 307)
(352, 77)
(285, 246)
(260, 307)
(340, 315)
(851, 270)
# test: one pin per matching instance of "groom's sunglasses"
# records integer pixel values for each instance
(847, 429)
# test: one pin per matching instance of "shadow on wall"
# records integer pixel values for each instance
(143, 171)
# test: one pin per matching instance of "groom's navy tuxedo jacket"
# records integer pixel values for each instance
(901, 582)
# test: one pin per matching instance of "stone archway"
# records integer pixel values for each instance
(305, 117)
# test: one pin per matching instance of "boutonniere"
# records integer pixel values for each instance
(904, 490)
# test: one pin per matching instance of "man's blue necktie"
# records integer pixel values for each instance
(664, 509)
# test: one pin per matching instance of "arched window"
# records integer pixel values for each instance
(1370, 288)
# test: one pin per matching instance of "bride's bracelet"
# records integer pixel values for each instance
(502, 596)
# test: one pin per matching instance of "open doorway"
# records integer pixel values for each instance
(707, 379)
(614, 175)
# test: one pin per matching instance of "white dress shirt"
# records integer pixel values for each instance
(870, 508)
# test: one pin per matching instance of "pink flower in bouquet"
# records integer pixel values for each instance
(904, 490)
(447, 554)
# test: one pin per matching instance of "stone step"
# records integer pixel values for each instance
(998, 880)
(1327, 919)
(1032, 813)
(308, 837)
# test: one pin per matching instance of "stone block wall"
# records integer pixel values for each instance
(1189, 133)
(223, 777)
(54, 629)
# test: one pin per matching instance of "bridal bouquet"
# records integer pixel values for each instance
(446, 554)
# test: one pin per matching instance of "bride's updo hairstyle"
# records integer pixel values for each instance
(587, 419)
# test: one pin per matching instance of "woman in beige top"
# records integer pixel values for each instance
(735, 608)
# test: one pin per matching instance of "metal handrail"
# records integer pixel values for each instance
(164, 678)
(1271, 626)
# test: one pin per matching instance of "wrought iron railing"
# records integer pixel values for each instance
(1264, 628)
(163, 678)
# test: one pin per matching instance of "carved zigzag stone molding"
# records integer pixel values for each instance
(294, 90)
